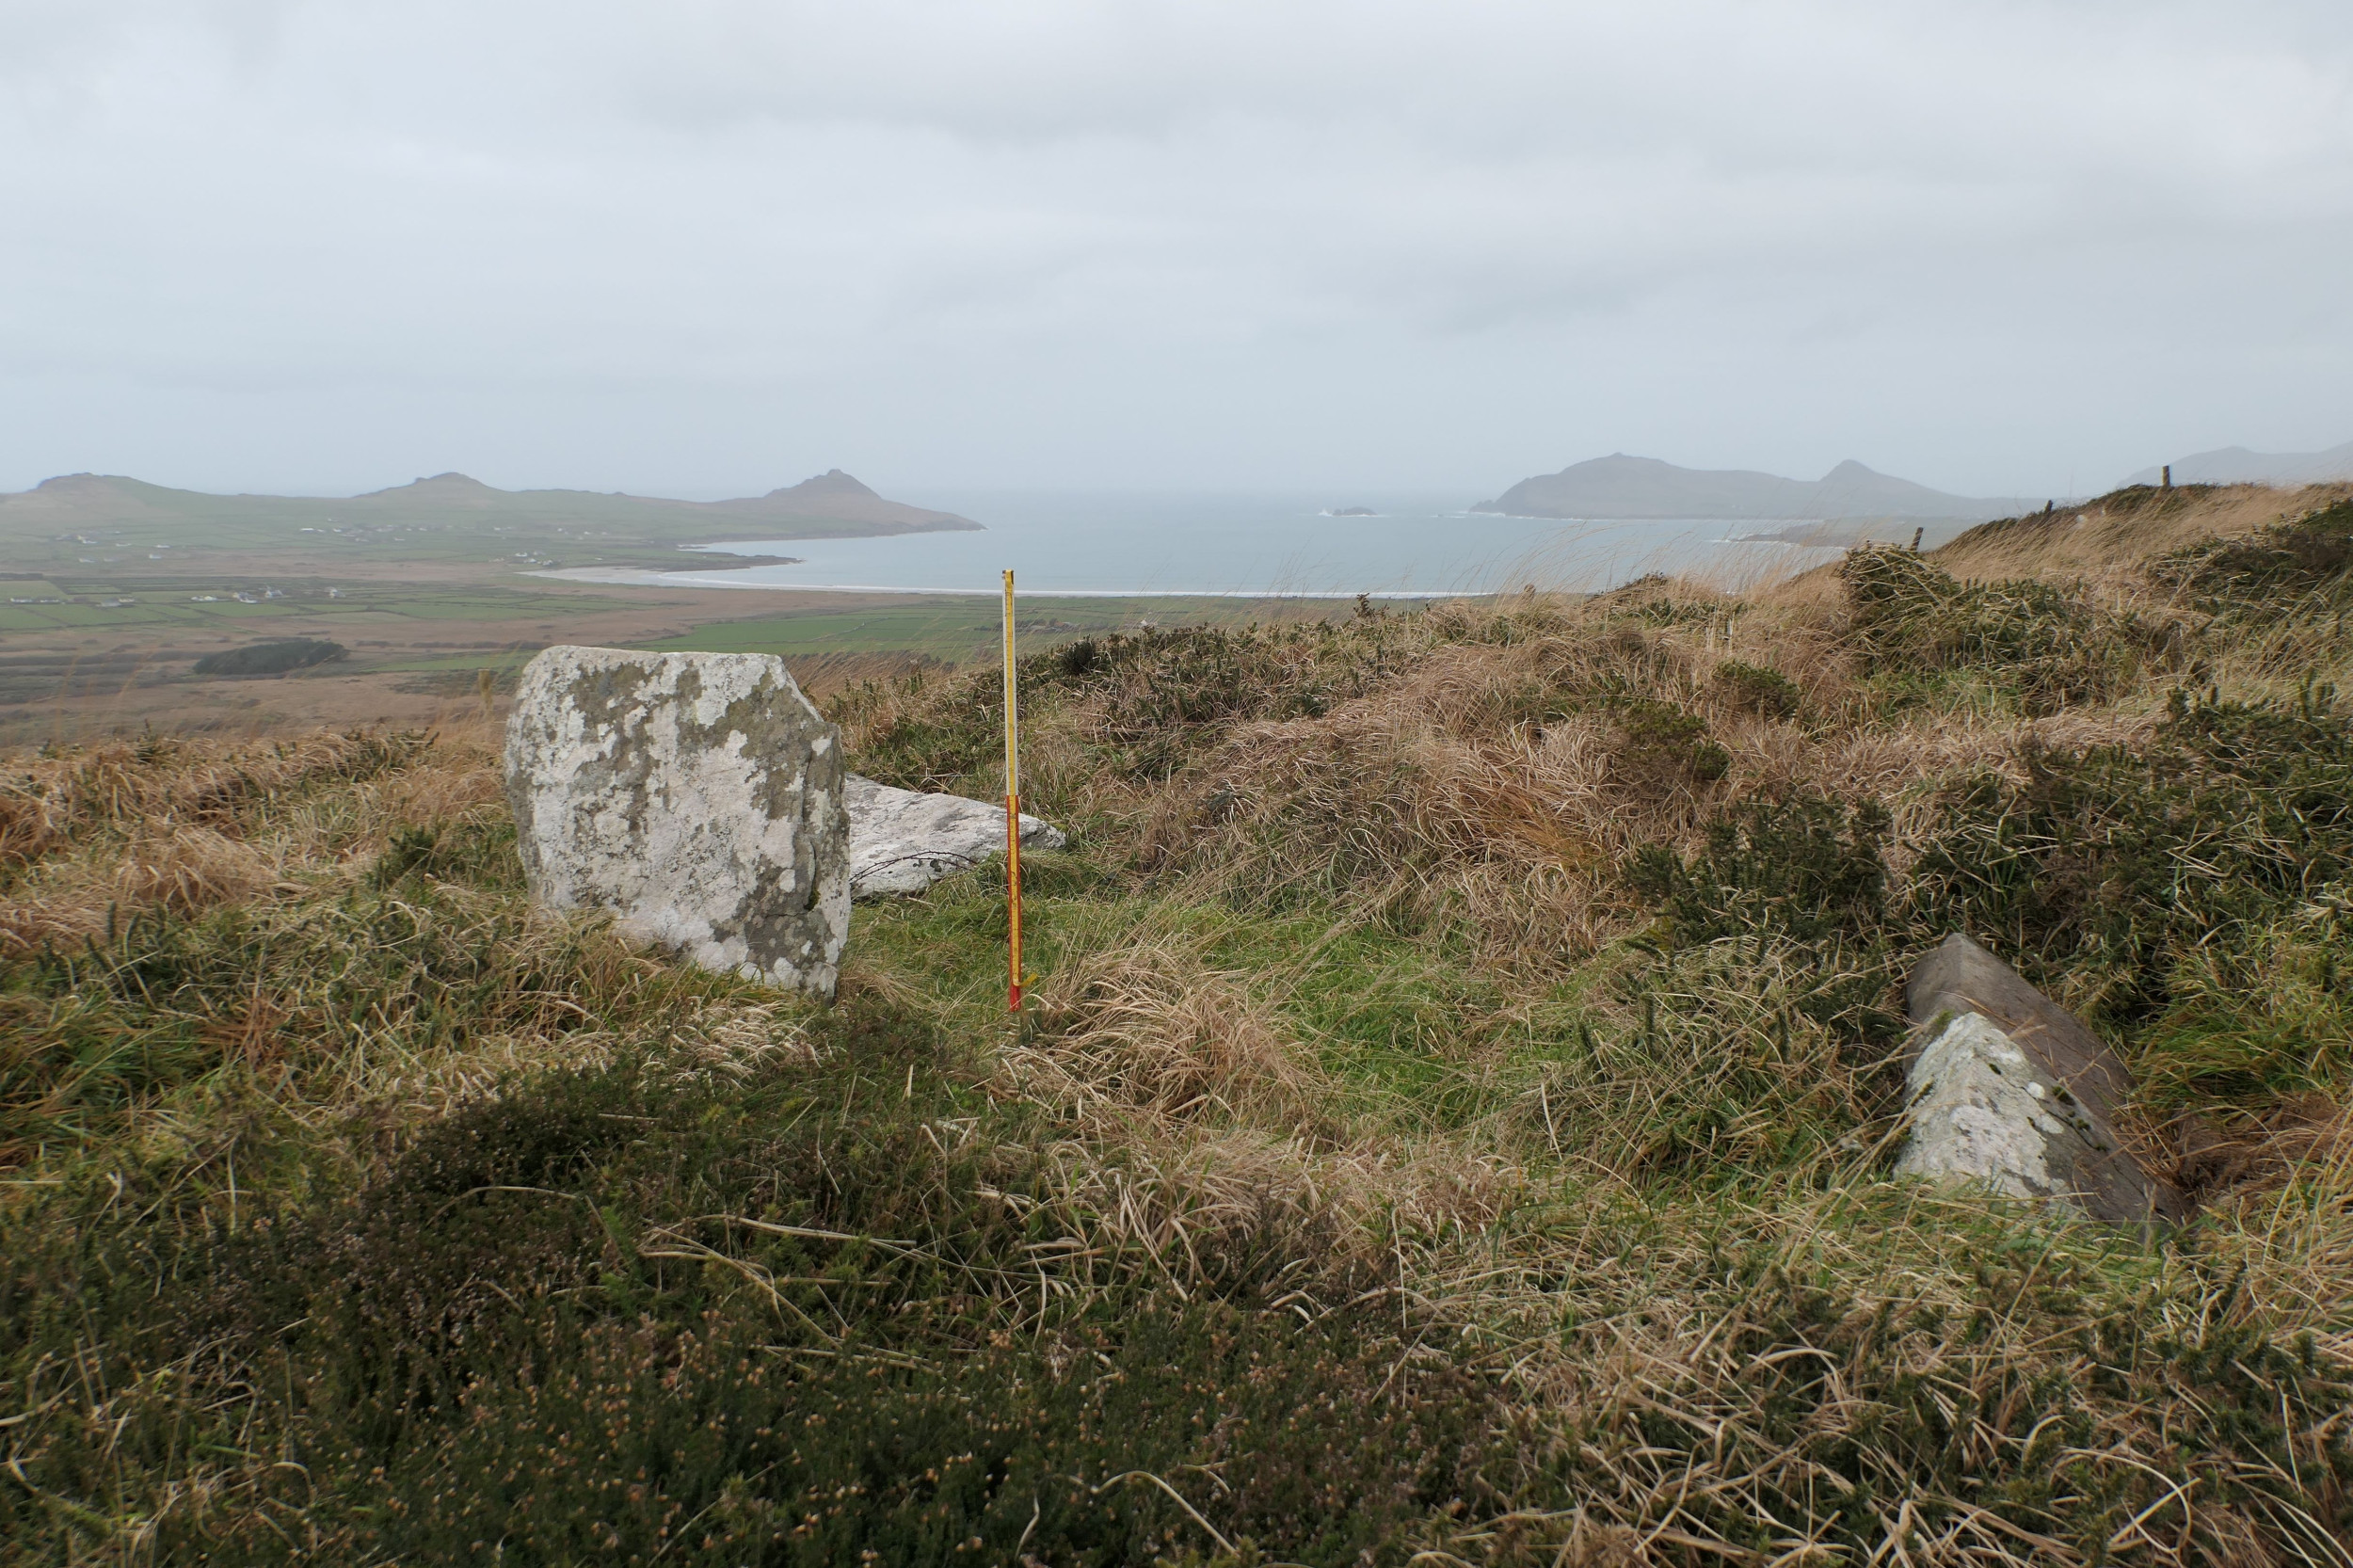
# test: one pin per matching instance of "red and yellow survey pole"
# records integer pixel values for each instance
(1012, 807)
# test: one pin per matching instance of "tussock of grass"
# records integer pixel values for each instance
(188, 826)
(1454, 1129)
(1151, 1029)
(53, 798)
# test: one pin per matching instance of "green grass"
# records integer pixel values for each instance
(1387, 1017)
(819, 1300)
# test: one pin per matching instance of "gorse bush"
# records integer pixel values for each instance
(1754, 689)
(2128, 879)
(1660, 744)
(477, 853)
(1145, 702)
(2106, 867)
(2289, 567)
(920, 732)
(1742, 1055)
(1801, 867)
(2051, 648)
(1804, 879)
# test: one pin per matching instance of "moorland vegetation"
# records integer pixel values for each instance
(1454, 1126)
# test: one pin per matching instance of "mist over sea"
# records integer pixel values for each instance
(1258, 545)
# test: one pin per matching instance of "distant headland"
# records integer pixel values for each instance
(1620, 486)
(831, 505)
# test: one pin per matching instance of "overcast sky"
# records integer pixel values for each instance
(709, 247)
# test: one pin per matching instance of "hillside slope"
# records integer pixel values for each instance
(832, 505)
(70, 524)
(1454, 1125)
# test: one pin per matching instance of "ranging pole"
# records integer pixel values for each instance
(1013, 807)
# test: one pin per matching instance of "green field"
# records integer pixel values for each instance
(200, 604)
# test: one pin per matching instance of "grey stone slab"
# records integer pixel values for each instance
(1961, 976)
(903, 840)
(699, 796)
(2008, 1089)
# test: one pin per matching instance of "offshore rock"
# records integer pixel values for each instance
(696, 795)
(2009, 1090)
(902, 841)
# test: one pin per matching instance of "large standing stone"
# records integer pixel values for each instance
(699, 795)
(902, 841)
(2010, 1090)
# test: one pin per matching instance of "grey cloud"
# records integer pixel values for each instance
(1219, 243)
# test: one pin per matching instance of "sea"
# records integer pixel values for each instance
(1114, 544)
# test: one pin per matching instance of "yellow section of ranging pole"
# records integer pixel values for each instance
(1012, 807)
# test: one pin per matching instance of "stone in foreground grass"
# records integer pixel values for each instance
(697, 796)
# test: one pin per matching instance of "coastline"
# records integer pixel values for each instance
(1231, 549)
(631, 577)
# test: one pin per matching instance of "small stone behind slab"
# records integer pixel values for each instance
(903, 841)
(2008, 1089)
(697, 796)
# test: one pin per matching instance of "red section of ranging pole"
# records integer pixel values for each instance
(1013, 811)
(1012, 886)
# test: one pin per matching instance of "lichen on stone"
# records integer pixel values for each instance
(699, 796)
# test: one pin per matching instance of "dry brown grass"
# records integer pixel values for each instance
(49, 799)
(1653, 1356)
(1923, 1334)
(1398, 1219)
(719, 1039)
(186, 869)
(1151, 1031)
(1383, 802)
(191, 825)
(1496, 780)
(1487, 779)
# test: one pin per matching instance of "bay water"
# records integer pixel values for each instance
(1261, 545)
